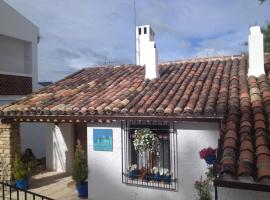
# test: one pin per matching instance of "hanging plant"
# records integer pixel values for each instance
(145, 140)
(209, 155)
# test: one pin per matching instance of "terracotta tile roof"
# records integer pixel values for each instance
(194, 87)
(245, 149)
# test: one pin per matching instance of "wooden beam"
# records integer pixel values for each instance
(88, 118)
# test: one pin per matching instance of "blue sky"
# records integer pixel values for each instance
(83, 33)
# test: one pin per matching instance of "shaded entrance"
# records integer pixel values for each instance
(80, 133)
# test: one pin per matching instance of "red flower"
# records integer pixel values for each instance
(207, 152)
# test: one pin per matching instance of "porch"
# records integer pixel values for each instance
(47, 184)
(56, 185)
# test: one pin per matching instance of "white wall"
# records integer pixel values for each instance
(33, 136)
(234, 194)
(12, 55)
(106, 167)
(60, 147)
(16, 26)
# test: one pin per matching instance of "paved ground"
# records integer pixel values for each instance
(51, 184)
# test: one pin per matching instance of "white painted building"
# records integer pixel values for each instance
(19, 39)
(18, 50)
(189, 104)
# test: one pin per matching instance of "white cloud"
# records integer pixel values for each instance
(81, 33)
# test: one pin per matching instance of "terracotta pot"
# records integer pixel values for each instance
(246, 145)
(262, 150)
(229, 143)
(261, 140)
(247, 156)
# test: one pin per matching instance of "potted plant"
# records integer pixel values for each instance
(202, 188)
(20, 172)
(165, 175)
(133, 171)
(80, 171)
(145, 140)
(209, 155)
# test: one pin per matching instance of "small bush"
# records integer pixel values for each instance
(19, 168)
(79, 165)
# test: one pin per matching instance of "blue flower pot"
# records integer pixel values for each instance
(156, 177)
(167, 179)
(210, 159)
(22, 184)
(134, 174)
(82, 189)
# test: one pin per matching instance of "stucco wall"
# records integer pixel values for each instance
(16, 26)
(12, 55)
(234, 194)
(33, 136)
(105, 167)
(60, 147)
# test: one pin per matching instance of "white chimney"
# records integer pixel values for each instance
(146, 51)
(256, 52)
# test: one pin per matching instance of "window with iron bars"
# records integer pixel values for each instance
(156, 169)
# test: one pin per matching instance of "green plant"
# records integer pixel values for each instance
(79, 165)
(210, 173)
(19, 168)
(145, 140)
(202, 188)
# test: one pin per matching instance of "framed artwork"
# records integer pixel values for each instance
(103, 139)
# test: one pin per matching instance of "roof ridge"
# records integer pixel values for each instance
(213, 58)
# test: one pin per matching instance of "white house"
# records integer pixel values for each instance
(188, 104)
(19, 39)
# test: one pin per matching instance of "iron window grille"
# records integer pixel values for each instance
(157, 169)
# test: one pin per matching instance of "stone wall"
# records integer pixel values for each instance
(9, 145)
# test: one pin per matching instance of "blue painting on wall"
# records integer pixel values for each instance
(103, 140)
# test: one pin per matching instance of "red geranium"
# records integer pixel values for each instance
(207, 152)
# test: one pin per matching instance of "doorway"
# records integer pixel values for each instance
(80, 133)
